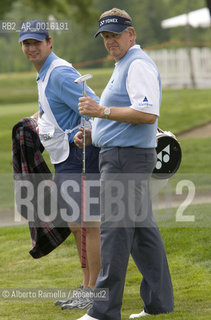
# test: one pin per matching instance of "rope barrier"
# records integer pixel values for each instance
(154, 47)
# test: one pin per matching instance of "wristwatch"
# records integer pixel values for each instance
(107, 112)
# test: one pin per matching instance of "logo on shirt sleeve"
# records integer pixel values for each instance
(145, 103)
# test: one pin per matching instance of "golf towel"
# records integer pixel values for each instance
(28, 163)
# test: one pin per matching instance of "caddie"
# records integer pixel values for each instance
(58, 121)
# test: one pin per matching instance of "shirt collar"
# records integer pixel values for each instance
(41, 75)
(136, 46)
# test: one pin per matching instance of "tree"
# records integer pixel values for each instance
(5, 6)
(208, 3)
(78, 44)
(80, 10)
(147, 16)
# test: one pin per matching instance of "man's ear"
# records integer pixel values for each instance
(51, 41)
(132, 32)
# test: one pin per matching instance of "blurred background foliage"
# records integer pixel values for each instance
(78, 44)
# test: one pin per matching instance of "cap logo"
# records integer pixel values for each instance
(114, 24)
(107, 21)
(34, 29)
(27, 27)
(114, 20)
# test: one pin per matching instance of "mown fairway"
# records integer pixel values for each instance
(189, 260)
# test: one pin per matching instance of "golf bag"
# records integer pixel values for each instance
(169, 155)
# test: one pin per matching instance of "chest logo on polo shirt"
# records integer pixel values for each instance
(145, 99)
(110, 84)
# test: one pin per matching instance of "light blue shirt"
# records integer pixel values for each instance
(108, 134)
(63, 94)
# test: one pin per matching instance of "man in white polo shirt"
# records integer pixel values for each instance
(125, 128)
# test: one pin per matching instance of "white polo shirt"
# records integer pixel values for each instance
(140, 73)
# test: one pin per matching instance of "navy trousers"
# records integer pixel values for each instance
(134, 233)
(71, 169)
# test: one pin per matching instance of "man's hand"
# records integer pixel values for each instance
(78, 138)
(35, 115)
(34, 118)
(89, 107)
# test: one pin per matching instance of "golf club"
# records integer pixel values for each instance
(83, 80)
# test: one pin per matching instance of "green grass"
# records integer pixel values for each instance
(196, 155)
(189, 261)
(18, 88)
(176, 217)
(21, 87)
(184, 109)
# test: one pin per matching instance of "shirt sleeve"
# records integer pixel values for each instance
(67, 90)
(143, 87)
